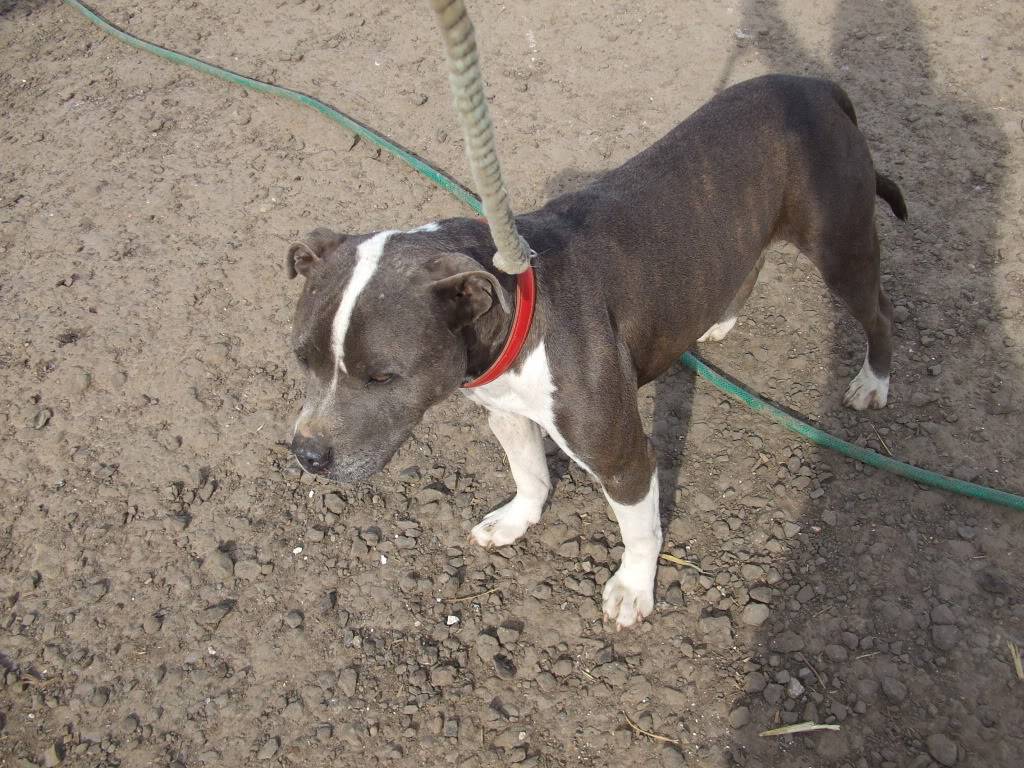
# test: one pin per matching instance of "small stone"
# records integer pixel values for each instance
(836, 652)
(942, 614)
(54, 755)
(754, 682)
(761, 594)
(442, 676)
(487, 646)
(945, 636)
(504, 667)
(294, 619)
(717, 630)
(942, 749)
(214, 614)
(752, 573)
(739, 717)
(755, 614)
(348, 680)
(546, 682)
(249, 570)
(335, 504)
(787, 642)
(219, 565)
(269, 748)
(41, 419)
(508, 634)
(97, 591)
(773, 693)
(893, 689)
(795, 689)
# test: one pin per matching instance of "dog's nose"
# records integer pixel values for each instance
(313, 455)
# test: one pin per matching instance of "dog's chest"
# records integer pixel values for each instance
(528, 392)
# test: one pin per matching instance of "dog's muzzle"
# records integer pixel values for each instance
(314, 455)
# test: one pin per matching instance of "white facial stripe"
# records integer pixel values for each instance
(367, 257)
(432, 226)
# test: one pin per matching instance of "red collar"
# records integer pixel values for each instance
(526, 297)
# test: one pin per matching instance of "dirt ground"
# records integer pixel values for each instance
(175, 592)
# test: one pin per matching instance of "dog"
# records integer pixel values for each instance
(630, 271)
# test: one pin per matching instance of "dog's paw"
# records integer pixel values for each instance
(628, 600)
(505, 524)
(867, 390)
(718, 331)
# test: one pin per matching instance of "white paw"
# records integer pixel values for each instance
(628, 597)
(867, 390)
(506, 524)
(718, 331)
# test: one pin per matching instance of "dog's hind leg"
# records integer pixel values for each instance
(721, 329)
(852, 271)
(524, 446)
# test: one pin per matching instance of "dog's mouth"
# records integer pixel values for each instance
(343, 469)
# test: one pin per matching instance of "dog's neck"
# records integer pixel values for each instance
(485, 339)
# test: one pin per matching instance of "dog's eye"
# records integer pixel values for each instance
(381, 378)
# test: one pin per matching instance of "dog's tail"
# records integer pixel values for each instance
(889, 190)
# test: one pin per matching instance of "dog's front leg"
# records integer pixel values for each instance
(522, 441)
(633, 495)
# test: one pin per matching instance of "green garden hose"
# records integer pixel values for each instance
(453, 187)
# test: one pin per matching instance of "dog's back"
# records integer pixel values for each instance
(776, 157)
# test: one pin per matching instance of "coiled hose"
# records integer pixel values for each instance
(453, 187)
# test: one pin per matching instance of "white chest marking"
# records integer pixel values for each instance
(367, 257)
(527, 392)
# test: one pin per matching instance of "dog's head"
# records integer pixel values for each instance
(381, 332)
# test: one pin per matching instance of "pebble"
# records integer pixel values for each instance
(754, 682)
(836, 652)
(942, 614)
(442, 676)
(945, 636)
(787, 642)
(739, 717)
(54, 755)
(893, 689)
(773, 693)
(249, 570)
(42, 418)
(755, 614)
(487, 646)
(751, 572)
(508, 634)
(348, 680)
(795, 689)
(219, 565)
(942, 749)
(504, 667)
(269, 748)
(717, 630)
(761, 594)
(294, 619)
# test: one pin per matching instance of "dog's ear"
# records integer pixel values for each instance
(302, 255)
(466, 289)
